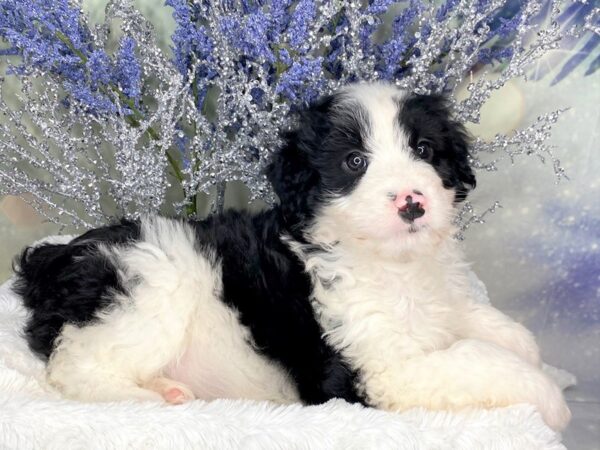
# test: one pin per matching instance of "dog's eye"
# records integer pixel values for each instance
(424, 150)
(356, 162)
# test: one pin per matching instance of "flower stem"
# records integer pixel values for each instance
(65, 40)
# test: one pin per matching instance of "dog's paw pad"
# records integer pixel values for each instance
(172, 392)
(176, 396)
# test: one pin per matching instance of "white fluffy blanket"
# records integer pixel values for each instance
(33, 416)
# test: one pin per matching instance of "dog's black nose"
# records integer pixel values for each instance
(411, 211)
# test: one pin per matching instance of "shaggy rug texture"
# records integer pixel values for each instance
(34, 416)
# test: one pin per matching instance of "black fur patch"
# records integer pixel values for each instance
(428, 117)
(265, 282)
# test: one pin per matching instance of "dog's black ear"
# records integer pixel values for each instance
(431, 116)
(294, 178)
(459, 141)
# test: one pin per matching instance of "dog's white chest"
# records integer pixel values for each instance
(394, 311)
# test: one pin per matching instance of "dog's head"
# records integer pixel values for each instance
(375, 165)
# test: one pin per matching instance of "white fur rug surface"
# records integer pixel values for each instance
(34, 416)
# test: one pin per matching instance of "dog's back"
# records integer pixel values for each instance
(231, 268)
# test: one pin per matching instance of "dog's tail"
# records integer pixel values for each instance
(69, 282)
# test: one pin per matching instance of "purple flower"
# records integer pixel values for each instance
(230, 26)
(333, 62)
(182, 37)
(258, 96)
(249, 35)
(280, 17)
(128, 72)
(303, 15)
(52, 36)
(99, 68)
(302, 82)
(192, 42)
(445, 9)
(503, 22)
(377, 7)
(9, 51)
(391, 53)
(256, 39)
(403, 22)
(285, 57)
(489, 55)
(94, 101)
(33, 27)
(508, 26)
(190, 38)
(251, 6)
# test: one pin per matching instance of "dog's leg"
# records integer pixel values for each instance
(486, 323)
(470, 373)
(128, 347)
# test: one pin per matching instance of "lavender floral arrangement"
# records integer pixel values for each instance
(97, 131)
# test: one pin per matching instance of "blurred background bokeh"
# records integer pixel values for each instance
(539, 256)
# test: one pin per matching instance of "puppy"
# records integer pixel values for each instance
(352, 287)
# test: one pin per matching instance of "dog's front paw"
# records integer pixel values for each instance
(538, 389)
(553, 407)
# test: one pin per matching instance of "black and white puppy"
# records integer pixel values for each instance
(353, 287)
